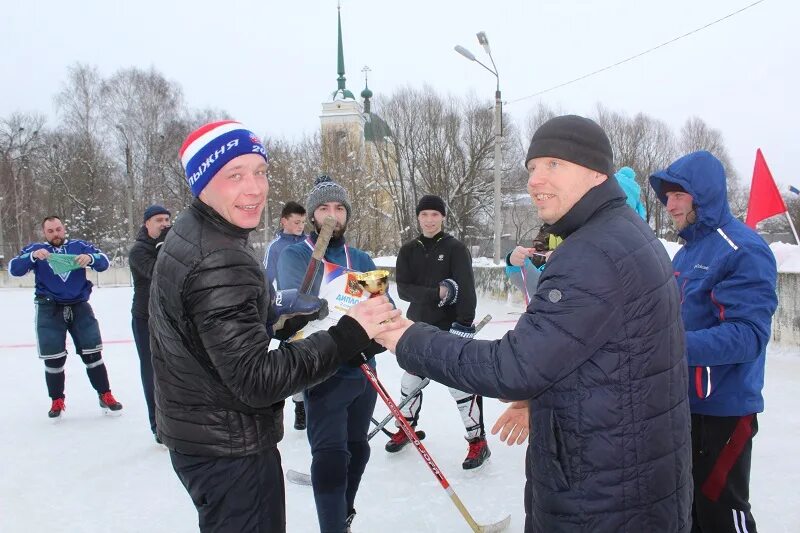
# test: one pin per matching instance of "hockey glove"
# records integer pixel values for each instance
(292, 310)
(451, 290)
(462, 331)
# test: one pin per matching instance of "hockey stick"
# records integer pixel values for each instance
(406, 428)
(320, 247)
(380, 426)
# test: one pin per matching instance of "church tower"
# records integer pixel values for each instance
(342, 117)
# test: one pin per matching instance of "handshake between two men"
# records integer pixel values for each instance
(385, 325)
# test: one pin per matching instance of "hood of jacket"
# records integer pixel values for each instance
(701, 175)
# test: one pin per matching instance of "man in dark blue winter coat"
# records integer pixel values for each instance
(62, 305)
(598, 354)
(338, 410)
(726, 275)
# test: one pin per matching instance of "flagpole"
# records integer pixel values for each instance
(791, 224)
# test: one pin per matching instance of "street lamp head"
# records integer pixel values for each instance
(483, 40)
(464, 52)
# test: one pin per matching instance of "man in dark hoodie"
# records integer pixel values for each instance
(142, 260)
(598, 354)
(434, 274)
(727, 275)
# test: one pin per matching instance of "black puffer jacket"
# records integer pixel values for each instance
(219, 390)
(421, 265)
(599, 354)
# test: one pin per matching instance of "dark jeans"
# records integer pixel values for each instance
(235, 494)
(338, 413)
(721, 451)
(141, 335)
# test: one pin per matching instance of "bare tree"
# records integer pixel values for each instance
(697, 135)
(20, 163)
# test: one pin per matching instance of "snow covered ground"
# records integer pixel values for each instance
(89, 472)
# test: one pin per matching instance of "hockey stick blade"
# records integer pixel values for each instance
(485, 320)
(298, 478)
(496, 527)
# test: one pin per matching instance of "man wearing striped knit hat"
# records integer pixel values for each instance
(219, 389)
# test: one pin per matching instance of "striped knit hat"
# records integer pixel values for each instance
(209, 148)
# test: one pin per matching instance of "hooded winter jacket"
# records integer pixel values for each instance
(219, 389)
(599, 355)
(726, 275)
(626, 177)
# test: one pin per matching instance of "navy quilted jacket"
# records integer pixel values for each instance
(599, 355)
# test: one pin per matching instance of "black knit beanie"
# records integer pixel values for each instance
(432, 202)
(575, 139)
(670, 186)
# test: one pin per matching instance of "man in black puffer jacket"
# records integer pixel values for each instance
(219, 389)
(598, 356)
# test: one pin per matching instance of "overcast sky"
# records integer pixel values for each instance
(271, 64)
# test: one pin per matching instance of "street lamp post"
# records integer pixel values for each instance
(129, 176)
(498, 140)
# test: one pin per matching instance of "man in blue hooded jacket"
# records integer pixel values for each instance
(726, 274)
(598, 355)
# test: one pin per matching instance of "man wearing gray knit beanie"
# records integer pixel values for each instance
(338, 410)
(326, 191)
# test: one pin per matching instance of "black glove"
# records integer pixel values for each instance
(161, 237)
(462, 331)
(451, 296)
(295, 309)
(371, 351)
(538, 260)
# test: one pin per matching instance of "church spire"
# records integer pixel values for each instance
(341, 91)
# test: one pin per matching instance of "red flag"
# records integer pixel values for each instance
(765, 200)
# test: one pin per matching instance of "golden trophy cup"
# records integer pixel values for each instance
(375, 282)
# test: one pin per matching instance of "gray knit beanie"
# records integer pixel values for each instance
(326, 190)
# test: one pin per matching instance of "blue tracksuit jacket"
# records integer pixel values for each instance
(281, 241)
(68, 288)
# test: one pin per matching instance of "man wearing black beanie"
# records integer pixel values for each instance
(596, 363)
(434, 274)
